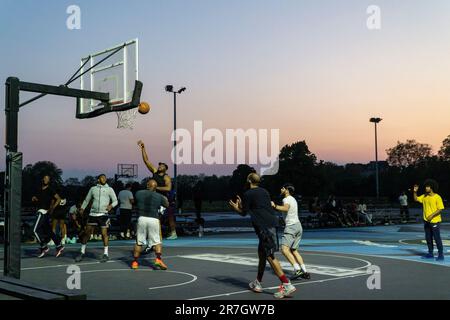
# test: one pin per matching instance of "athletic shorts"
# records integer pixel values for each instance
(100, 221)
(268, 240)
(292, 236)
(148, 232)
(59, 215)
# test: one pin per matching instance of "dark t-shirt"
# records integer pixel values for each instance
(256, 202)
(148, 203)
(45, 197)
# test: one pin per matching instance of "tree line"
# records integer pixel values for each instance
(407, 163)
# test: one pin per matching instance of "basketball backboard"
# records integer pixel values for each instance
(114, 71)
(127, 170)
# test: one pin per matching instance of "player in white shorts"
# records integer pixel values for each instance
(148, 231)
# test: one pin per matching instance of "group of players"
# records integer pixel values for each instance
(102, 199)
(256, 202)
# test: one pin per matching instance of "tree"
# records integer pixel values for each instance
(444, 152)
(408, 154)
(298, 165)
(72, 182)
(89, 181)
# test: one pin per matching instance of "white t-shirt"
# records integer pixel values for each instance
(292, 214)
(124, 198)
(403, 200)
(73, 209)
(362, 208)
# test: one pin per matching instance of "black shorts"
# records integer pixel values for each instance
(100, 221)
(268, 240)
(58, 215)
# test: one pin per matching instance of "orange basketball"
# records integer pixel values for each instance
(143, 108)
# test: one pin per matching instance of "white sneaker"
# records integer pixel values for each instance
(173, 236)
(256, 286)
(122, 235)
(51, 243)
(128, 235)
(285, 290)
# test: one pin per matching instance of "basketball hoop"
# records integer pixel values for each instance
(126, 119)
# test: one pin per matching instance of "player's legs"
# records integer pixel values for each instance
(63, 227)
(262, 261)
(84, 238)
(141, 240)
(86, 235)
(286, 251)
(436, 230)
(103, 223)
(154, 239)
(298, 258)
(105, 236)
(172, 223)
(429, 238)
(54, 224)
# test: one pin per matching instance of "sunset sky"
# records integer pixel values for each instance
(309, 68)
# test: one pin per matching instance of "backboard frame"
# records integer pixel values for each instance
(120, 56)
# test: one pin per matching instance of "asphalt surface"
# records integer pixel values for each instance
(372, 263)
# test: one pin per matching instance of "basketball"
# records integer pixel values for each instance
(144, 108)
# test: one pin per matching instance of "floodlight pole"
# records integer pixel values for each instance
(169, 88)
(376, 121)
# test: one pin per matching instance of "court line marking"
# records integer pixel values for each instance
(398, 258)
(313, 268)
(82, 264)
(194, 277)
(97, 262)
(276, 287)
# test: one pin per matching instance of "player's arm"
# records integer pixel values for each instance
(415, 189)
(114, 201)
(55, 202)
(237, 206)
(147, 162)
(164, 202)
(168, 185)
(434, 215)
(284, 208)
(86, 201)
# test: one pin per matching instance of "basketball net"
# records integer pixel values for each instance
(126, 119)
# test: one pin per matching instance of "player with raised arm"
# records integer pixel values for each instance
(432, 208)
(164, 186)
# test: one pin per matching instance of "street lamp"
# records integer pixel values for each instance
(169, 88)
(376, 121)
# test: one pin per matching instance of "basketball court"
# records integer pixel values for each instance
(219, 267)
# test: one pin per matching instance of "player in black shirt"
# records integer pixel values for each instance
(46, 199)
(257, 203)
(164, 187)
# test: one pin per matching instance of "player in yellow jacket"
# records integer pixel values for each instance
(432, 208)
